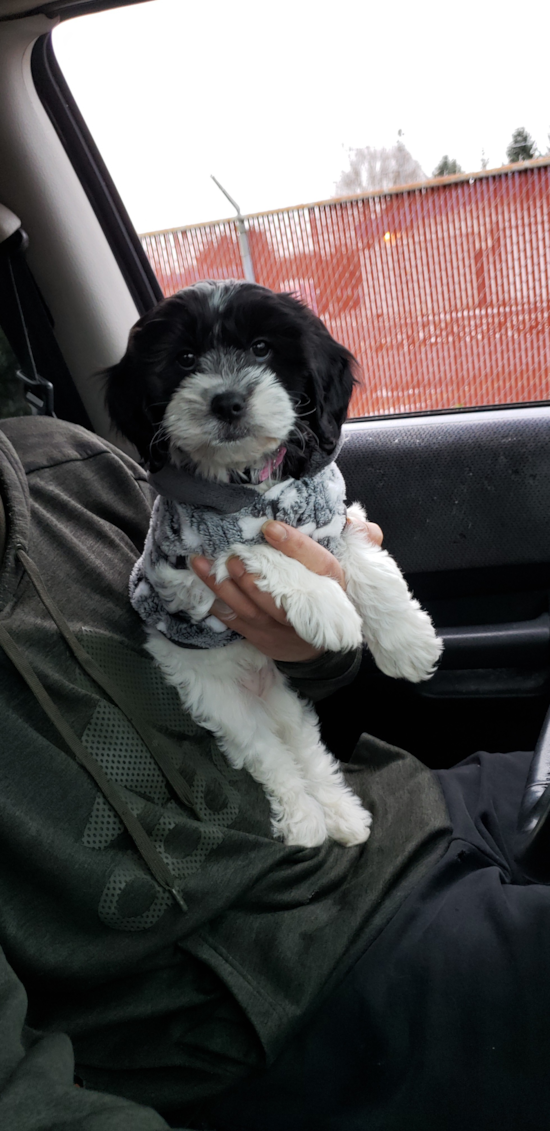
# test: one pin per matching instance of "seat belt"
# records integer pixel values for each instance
(20, 301)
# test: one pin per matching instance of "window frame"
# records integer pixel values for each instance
(93, 174)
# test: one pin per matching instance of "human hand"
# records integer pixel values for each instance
(253, 614)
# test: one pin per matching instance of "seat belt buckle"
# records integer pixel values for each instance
(41, 399)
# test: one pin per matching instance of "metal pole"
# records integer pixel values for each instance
(246, 258)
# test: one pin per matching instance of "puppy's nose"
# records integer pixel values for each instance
(228, 406)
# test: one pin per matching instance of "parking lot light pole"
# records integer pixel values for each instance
(244, 245)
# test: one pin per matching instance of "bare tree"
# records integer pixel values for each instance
(372, 170)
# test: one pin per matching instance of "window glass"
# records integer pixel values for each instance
(438, 286)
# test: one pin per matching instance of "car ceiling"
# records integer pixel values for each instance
(15, 9)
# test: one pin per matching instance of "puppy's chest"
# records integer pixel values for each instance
(315, 504)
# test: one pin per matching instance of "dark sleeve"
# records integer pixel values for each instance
(37, 1091)
(317, 679)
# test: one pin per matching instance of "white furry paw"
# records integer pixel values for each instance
(413, 652)
(316, 606)
(399, 633)
(324, 617)
(348, 822)
(305, 826)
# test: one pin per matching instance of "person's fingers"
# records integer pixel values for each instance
(246, 609)
(225, 591)
(372, 530)
(279, 641)
(239, 594)
(375, 533)
(271, 634)
(300, 546)
(247, 583)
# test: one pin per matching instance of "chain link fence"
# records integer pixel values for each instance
(441, 291)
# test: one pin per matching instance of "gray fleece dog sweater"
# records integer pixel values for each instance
(181, 526)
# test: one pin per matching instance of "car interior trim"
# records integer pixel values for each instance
(94, 176)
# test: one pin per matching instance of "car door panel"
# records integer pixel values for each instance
(455, 491)
(464, 502)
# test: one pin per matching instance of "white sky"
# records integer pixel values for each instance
(268, 96)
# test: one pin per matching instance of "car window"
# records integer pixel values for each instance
(439, 286)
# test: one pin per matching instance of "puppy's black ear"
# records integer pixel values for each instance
(126, 398)
(331, 379)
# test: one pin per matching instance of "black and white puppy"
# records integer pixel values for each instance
(235, 398)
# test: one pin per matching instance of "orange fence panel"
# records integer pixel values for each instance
(440, 290)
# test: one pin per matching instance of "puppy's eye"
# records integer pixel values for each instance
(186, 360)
(261, 348)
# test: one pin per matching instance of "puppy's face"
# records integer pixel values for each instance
(222, 374)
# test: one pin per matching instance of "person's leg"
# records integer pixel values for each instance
(444, 1022)
(483, 795)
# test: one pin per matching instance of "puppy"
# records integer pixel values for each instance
(235, 398)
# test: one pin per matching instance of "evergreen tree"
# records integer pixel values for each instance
(447, 166)
(522, 147)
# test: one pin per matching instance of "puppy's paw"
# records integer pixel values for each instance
(324, 617)
(412, 651)
(305, 825)
(316, 606)
(348, 822)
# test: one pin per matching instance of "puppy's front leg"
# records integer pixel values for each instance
(316, 607)
(398, 631)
